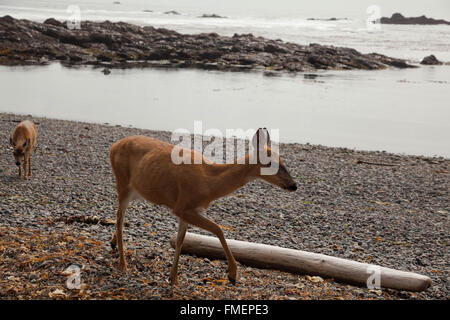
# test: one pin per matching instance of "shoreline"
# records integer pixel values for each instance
(123, 45)
(346, 206)
(167, 133)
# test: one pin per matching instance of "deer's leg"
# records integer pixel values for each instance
(196, 219)
(124, 200)
(20, 171)
(114, 241)
(182, 226)
(25, 160)
(29, 164)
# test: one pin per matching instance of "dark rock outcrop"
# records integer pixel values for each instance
(211, 16)
(54, 22)
(327, 19)
(431, 60)
(172, 12)
(124, 45)
(398, 18)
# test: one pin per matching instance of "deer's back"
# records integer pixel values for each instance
(25, 130)
(144, 164)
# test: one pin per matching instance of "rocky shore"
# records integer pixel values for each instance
(373, 207)
(398, 18)
(123, 45)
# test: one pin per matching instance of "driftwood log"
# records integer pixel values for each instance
(302, 262)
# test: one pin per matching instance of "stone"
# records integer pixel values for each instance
(431, 60)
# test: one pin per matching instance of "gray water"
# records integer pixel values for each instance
(400, 111)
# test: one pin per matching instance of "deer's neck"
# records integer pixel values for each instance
(226, 178)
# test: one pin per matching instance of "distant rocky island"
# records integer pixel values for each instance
(431, 60)
(123, 45)
(326, 19)
(213, 15)
(398, 18)
(176, 13)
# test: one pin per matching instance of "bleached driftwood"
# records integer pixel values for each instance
(296, 261)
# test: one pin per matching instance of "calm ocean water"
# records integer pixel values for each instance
(401, 111)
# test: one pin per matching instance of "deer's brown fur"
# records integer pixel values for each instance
(23, 141)
(143, 169)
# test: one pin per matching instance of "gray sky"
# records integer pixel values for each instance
(293, 8)
(349, 8)
(306, 8)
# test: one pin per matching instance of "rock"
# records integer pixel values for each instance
(431, 60)
(377, 292)
(398, 18)
(310, 76)
(172, 12)
(329, 19)
(54, 22)
(212, 16)
(270, 73)
(75, 58)
(315, 279)
(58, 293)
(124, 45)
(106, 71)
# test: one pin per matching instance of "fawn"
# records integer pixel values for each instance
(23, 140)
(143, 170)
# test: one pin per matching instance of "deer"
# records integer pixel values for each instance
(23, 141)
(143, 169)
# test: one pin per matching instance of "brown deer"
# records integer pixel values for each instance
(23, 140)
(143, 169)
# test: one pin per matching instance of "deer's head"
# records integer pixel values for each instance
(20, 147)
(269, 166)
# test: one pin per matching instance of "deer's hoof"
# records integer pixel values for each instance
(174, 281)
(123, 267)
(232, 280)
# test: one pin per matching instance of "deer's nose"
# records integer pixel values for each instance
(17, 163)
(293, 187)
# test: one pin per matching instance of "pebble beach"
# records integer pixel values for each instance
(373, 207)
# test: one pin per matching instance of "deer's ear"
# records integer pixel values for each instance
(260, 139)
(266, 133)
